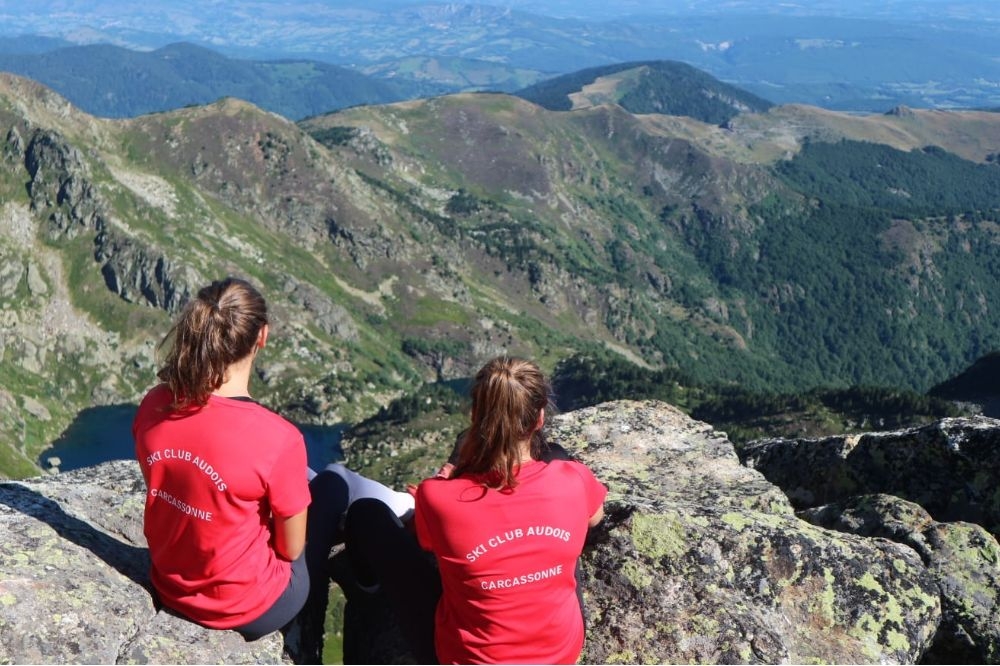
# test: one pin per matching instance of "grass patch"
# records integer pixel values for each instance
(427, 311)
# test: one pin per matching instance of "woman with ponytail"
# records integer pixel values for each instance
(506, 528)
(228, 485)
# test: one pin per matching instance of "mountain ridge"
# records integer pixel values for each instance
(406, 243)
(661, 87)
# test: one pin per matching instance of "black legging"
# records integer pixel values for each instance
(382, 551)
(307, 593)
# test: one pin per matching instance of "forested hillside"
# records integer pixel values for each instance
(115, 82)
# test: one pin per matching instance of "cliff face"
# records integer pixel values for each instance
(699, 559)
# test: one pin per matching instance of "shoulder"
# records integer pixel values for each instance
(157, 396)
(573, 471)
(582, 480)
(154, 406)
(436, 492)
(570, 468)
(434, 487)
(261, 417)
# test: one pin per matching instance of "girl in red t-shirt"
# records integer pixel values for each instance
(226, 515)
(505, 528)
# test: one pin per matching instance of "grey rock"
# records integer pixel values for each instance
(951, 468)
(699, 559)
(655, 455)
(36, 283)
(11, 272)
(36, 409)
(140, 274)
(32, 357)
(332, 318)
(13, 150)
(963, 558)
(60, 186)
(57, 180)
(73, 579)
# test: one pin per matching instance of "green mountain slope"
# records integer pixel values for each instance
(672, 88)
(405, 243)
(733, 271)
(114, 82)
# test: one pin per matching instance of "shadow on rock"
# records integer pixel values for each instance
(131, 561)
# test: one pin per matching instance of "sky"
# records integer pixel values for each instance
(76, 12)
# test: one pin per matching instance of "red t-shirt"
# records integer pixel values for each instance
(507, 563)
(214, 477)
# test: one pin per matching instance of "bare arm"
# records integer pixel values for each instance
(597, 517)
(290, 535)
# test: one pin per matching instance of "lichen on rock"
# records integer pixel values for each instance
(701, 560)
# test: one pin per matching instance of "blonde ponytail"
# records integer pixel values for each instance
(508, 396)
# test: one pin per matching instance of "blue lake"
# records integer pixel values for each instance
(100, 434)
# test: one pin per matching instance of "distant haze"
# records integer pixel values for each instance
(72, 14)
(857, 55)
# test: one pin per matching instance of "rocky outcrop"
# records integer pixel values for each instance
(60, 185)
(139, 274)
(699, 559)
(332, 318)
(963, 558)
(935, 489)
(949, 468)
(73, 579)
(61, 188)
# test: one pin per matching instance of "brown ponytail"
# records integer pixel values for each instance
(217, 328)
(508, 396)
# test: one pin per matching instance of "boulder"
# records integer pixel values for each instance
(701, 560)
(951, 468)
(74, 585)
(963, 558)
(934, 488)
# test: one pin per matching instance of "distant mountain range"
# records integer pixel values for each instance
(115, 82)
(849, 56)
(780, 252)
